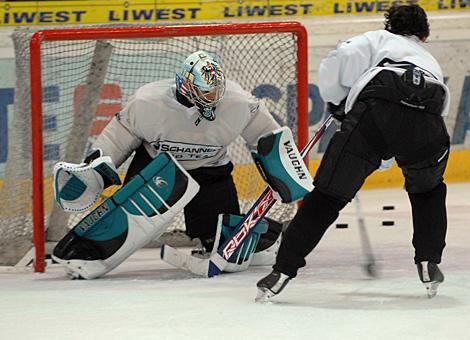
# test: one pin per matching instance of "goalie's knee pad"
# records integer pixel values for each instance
(282, 166)
(137, 213)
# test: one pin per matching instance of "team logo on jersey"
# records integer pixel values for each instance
(160, 182)
(212, 73)
(186, 151)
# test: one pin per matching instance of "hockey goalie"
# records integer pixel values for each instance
(179, 131)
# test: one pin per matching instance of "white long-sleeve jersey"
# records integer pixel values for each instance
(347, 69)
(155, 118)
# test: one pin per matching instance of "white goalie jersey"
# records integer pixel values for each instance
(155, 118)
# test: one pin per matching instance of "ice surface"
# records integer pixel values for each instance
(332, 298)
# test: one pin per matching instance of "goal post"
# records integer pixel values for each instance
(268, 59)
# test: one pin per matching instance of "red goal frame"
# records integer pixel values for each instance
(143, 32)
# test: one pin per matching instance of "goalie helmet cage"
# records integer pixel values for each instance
(267, 59)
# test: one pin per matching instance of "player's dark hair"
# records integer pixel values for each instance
(407, 20)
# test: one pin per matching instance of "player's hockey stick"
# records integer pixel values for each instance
(370, 265)
(218, 260)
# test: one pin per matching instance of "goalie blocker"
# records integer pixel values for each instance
(281, 165)
(137, 213)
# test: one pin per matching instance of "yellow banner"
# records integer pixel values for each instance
(164, 11)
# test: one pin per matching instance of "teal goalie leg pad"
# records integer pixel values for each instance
(241, 258)
(137, 213)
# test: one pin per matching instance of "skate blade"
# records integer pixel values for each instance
(263, 295)
(431, 289)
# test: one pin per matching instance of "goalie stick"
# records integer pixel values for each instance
(218, 260)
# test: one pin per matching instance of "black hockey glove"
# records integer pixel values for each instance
(337, 110)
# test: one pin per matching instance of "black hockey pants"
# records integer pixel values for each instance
(373, 130)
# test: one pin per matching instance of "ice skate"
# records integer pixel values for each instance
(271, 285)
(431, 276)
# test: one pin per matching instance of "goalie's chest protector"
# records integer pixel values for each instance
(165, 125)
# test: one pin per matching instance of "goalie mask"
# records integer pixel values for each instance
(202, 82)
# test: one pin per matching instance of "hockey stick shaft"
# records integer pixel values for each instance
(262, 205)
(365, 241)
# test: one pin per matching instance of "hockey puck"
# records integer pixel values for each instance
(388, 223)
(388, 207)
(341, 225)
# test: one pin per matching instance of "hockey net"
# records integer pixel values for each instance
(72, 82)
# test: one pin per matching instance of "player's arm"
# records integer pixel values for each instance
(260, 122)
(117, 142)
(122, 134)
(341, 69)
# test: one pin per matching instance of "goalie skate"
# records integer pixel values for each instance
(431, 276)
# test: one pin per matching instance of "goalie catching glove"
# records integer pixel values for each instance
(281, 165)
(77, 187)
